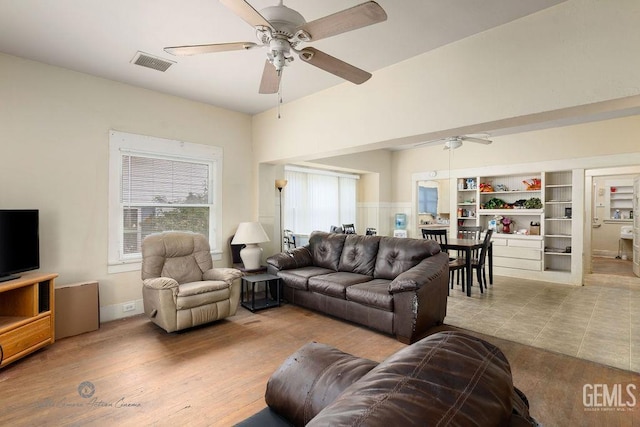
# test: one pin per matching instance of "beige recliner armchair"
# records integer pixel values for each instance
(180, 287)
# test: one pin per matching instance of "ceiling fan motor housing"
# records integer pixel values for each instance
(283, 20)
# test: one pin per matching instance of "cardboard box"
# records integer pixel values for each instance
(77, 309)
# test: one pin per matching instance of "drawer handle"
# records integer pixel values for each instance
(1, 354)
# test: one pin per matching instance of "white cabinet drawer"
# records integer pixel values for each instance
(522, 253)
(536, 244)
(519, 263)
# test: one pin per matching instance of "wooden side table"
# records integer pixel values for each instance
(248, 292)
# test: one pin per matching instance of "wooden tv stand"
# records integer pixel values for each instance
(27, 315)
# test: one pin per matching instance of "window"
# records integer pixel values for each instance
(317, 199)
(428, 200)
(160, 185)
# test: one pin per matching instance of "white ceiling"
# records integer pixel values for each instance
(101, 37)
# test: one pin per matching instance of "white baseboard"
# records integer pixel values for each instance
(115, 311)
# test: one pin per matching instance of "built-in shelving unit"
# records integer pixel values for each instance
(558, 221)
(541, 234)
(619, 200)
(467, 201)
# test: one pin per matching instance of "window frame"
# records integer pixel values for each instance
(121, 143)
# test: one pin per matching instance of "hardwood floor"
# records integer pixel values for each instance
(216, 375)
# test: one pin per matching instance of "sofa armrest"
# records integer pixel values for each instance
(296, 258)
(160, 283)
(420, 275)
(312, 378)
(225, 274)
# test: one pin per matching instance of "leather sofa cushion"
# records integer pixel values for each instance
(326, 248)
(374, 293)
(298, 278)
(448, 378)
(359, 254)
(397, 255)
(335, 284)
(310, 379)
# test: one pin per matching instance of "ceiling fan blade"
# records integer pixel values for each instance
(246, 12)
(208, 48)
(478, 140)
(349, 19)
(334, 65)
(270, 82)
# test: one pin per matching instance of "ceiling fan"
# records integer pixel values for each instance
(282, 30)
(453, 142)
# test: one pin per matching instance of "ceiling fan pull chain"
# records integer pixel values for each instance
(279, 97)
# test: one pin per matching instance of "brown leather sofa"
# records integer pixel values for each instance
(396, 286)
(448, 378)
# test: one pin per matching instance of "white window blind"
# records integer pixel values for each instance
(160, 194)
(316, 200)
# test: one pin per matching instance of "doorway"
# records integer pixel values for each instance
(609, 252)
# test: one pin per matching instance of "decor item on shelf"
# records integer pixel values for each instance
(250, 234)
(501, 187)
(486, 188)
(533, 184)
(280, 184)
(534, 228)
(506, 223)
(471, 184)
(533, 203)
(495, 203)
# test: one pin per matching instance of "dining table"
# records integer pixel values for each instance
(469, 246)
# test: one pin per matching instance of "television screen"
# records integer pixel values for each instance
(19, 242)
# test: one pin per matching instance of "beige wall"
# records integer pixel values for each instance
(577, 53)
(615, 136)
(54, 127)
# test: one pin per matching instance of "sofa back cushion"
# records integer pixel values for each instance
(326, 248)
(448, 378)
(397, 255)
(359, 254)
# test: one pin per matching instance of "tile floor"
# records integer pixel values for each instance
(598, 322)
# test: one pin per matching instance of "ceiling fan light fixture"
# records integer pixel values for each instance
(452, 144)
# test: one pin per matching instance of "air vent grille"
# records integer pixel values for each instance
(150, 61)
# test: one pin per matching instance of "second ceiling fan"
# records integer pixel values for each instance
(282, 30)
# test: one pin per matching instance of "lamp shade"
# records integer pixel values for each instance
(249, 233)
(281, 183)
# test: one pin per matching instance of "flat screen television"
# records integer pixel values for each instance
(19, 242)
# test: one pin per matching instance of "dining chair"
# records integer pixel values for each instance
(470, 232)
(479, 263)
(455, 264)
(349, 228)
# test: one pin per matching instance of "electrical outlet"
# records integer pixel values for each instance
(128, 306)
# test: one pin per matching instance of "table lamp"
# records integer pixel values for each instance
(250, 234)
